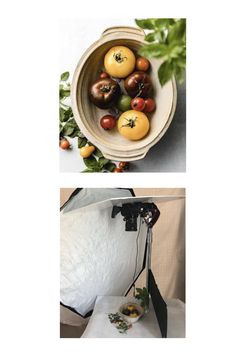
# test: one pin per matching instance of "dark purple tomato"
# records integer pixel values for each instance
(104, 92)
(138, 84)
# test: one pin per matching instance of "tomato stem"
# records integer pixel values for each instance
(131, 122)
(105, 88)
(118, 57)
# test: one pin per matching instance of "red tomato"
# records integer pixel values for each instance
(117, 170)
(150, 105)
(142, 64)
(123, 165)
(104, 75)
(108, 122)
(64, 144)
(138, 103)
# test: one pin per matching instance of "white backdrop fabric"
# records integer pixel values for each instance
(98, 257)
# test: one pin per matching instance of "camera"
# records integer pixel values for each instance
(130, 211)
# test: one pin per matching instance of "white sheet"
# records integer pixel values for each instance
(99, 325)
(98, 257)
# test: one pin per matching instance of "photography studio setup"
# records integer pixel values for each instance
(106, 245)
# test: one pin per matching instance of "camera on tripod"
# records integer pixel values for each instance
(130, 211)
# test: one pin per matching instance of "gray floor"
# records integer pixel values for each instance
(71, 331)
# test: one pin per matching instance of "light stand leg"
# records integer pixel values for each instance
(148, 256)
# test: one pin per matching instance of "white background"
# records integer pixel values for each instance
(31, 180)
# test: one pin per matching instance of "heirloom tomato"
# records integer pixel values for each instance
(133, 125)
(119, 61)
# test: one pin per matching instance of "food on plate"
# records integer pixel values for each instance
(142, 64)
(87, 151)
(108, 122)
(104, 92)
(138, 104)
(150, 105)
(138, 84)
(131, 311)
(129, 99)
(119, 61)
(133, 125)
(64, 144)
(124, 103)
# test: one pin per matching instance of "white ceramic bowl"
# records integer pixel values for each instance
(128, 318)
(113, 145)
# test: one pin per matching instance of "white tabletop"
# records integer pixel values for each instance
(99, 325)
(168, 155)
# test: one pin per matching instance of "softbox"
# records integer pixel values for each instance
(98, 257)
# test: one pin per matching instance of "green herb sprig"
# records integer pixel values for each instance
(69, 128)
(166, 39)
(119, 322)
(143, 296)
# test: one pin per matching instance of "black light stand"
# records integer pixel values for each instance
(150, 214)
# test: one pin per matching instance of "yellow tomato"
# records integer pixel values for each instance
(86, 151)
(133, 315)
(133, 125)
(119, 61)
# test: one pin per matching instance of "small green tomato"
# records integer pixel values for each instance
(124, 103)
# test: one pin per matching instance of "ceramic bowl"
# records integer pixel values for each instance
(128, 318)
(113, 145)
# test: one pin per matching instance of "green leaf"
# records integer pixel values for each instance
(153, 36)
(102, 161)
(73, 123)
(65, 76)
(82, 142)
(65, 114)
(110, 166)
(80, 134)
(146, 23)
(68, 113)
(60, 128)
(68, 129)
(63, 93)
(91, 162)
(175, 50)
(143, 295)
(165, 72)
(177, 31)
(62, 114)
(75, 133)
(180, 74)
(154, 50)
(167, 40)
(90, 144)
(164, 23)
(98, 153)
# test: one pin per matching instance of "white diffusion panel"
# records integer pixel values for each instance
(89, 196)
(98, 257)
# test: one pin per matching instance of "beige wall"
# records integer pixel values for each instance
(168, 251)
